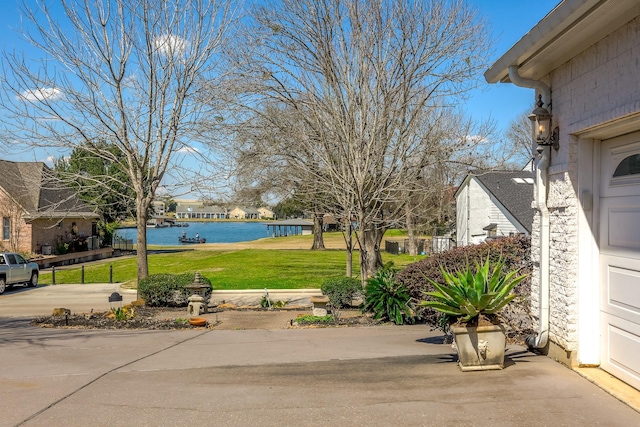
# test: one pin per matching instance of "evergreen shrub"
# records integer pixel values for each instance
(341, 290)
(168, 290)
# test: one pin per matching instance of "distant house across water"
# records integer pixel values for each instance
(199, 211)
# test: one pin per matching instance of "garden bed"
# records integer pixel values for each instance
(163, 318)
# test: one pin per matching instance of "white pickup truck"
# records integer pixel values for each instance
(14, 270)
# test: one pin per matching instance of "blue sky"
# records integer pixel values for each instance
(508, 20)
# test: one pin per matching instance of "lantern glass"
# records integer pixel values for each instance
(541, 122)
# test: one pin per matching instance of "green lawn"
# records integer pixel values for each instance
(241, 269)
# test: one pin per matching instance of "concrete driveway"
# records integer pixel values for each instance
(373, 376)
(313, 377)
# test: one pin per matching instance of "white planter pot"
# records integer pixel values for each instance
(480, 347)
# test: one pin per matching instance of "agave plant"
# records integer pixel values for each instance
(466, 295)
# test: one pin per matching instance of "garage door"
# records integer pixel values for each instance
(620, 257)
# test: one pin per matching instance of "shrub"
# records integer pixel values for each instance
(341, 291)
(168, 290)
(515, 253)
(387, 298)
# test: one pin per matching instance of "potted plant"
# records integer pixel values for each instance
(471, 302)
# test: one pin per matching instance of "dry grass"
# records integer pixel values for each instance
(333, 240)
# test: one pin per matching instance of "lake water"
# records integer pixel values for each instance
(214, 232)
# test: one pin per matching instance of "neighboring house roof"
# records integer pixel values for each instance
(39, 193)
(253, 211)
(512, 189)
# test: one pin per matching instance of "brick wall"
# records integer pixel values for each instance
(20, 239)
(598, 85)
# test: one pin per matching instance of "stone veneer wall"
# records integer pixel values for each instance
(598, 85)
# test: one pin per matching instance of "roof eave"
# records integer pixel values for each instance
(567, 30)
(60, 215)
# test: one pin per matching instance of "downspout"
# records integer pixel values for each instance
(542, 177)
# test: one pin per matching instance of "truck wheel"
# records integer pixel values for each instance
(34, 280)
(3, 285)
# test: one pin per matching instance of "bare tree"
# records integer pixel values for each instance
(267, 158)
(518, 138)
(365, 83)
(128, 72)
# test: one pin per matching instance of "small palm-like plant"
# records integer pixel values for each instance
(388, 299)
(466, 295)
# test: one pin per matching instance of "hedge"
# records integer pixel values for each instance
(515, 251)
(168, 290)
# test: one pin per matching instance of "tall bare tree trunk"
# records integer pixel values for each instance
(142, 207)
(411, 230)
(348, 238)
(370, 258)
(318, 236)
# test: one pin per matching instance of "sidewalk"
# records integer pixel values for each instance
(40, 301)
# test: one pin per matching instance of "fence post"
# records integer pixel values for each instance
(82, 275)
(110, 273)
(53, 275)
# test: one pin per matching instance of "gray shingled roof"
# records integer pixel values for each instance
(35, 188)
(515, 197)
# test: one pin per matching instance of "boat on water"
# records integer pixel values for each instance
(192, 240)
(187, 240)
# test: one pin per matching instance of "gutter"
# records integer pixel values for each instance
(540, 340)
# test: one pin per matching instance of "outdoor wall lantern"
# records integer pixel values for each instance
(541, 120)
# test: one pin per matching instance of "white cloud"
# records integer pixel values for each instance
(187, 149)
(170, 45)
(41, 94)
(476, 139)
(49, 161)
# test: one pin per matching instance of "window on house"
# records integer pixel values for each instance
(491, 229)
(628, 166)
(6, 228)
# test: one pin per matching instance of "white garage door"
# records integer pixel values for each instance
(620, 257)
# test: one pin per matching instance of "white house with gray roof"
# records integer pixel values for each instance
(492, 204)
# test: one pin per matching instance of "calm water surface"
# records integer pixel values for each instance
(214, 232)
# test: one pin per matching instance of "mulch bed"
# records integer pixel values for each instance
(163, 318)
(145, 318)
